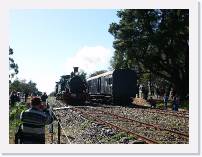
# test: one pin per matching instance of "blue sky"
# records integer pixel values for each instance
(49, 43)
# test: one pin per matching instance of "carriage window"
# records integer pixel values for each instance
(109, 81)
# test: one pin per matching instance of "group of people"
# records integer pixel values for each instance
(14, 97)
(32, 129)
(175, 102)
(17, 97)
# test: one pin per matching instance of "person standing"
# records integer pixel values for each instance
(26, 96)
(13, 98)
(178, 102)
(165, 101)
(44, 97)
(33, 122)
(175, 103)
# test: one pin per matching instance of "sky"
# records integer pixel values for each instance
(49, 43)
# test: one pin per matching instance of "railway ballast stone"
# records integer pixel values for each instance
(124, 140)
(107, 132)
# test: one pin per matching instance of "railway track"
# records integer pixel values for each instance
(95, 118)
(140, 139)
(181, 114)
(180, 124)
(143, 131)
(158, 127)
(136, 128)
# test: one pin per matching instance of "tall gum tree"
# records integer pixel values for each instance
(154, 40)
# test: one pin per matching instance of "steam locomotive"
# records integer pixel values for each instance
(72, 89)
(116, 87)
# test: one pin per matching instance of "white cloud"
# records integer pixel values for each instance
(89, 59)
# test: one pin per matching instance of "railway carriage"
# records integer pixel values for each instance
(118, 85)
(100, 84)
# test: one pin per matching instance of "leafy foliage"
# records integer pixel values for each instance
(16, 111)
(13, 67)
(82, 74)
(14, 119)
(64, 79)
(22, 86)
(155, 41)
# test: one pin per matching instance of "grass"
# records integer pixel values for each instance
(118, 136)
(14, 119)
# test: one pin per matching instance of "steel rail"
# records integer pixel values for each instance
(128, 119)
(146, 124)
(161, 111)
(147, 140)
(132, 120)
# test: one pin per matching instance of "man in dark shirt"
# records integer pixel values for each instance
(13, 98)
(44, 97)
(34, 121)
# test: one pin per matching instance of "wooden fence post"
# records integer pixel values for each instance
(59, 131)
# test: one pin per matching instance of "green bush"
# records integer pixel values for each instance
(16, 110)
(184, 105)
(14, 119)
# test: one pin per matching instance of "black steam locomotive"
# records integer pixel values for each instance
(118, 86)
(72, 89)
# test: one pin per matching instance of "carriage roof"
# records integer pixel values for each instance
(100, 75)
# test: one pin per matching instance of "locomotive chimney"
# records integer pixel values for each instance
(76, 70)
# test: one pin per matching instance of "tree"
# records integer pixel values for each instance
(13, 67)
(98, 73)
(64, 79)
(82, 74)
(22, 86)
(155, 41)
(32, 87)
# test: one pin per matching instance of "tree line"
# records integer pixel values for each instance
(154, 41)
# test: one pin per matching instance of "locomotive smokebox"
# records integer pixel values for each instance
(76, 69)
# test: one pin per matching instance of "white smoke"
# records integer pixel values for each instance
(89, 59)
